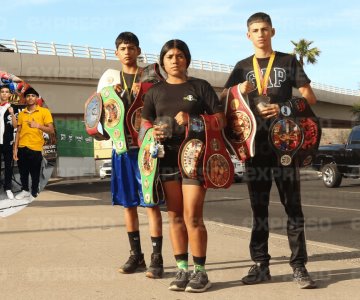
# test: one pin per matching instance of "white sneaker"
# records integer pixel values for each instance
(31, 198)
(10, 194)
(22, 195)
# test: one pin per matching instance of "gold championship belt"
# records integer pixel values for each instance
(240, 131)
(94, 117)
(295, 133)
(192, 149)
(218, 169)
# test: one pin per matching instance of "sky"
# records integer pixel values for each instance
(215, 30)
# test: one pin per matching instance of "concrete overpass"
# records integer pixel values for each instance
(66, 81)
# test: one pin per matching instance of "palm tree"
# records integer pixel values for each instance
(302, 49)
(356, 111)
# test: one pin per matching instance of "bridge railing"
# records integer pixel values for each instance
(35, 47)
(335, 89)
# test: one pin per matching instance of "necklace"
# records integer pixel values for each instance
(126, 88)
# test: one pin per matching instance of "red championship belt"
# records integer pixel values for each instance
(240, 131)
(149, 76)
(94, 116)
(133, 115)
(218, 169)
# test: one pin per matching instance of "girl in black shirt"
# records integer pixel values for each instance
(175, 100)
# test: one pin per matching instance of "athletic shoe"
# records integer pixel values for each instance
(303, 279)
(181, 281)
(257, 273)
(9, 194)
(135, 263)
(23, 194)
(31, 198)
(156, 269)
(198, 283)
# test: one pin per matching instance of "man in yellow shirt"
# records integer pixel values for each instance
(29, 142)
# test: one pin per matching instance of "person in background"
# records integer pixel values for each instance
(33, 122)
(8, 122)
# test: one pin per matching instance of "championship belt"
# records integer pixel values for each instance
(296, 132)
(192, 149)
(133, 115)
(218, 168)
(151, 73)
(109, 78)
(240, 131)
(94, 117)
(149, 76)
(150, 182)
(114, 118)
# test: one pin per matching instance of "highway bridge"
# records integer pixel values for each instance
(66, 75)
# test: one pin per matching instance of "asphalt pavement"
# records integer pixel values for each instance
(66, 246)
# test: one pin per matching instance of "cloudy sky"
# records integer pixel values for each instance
(215, 30)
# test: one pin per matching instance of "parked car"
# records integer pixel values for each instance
(336, 161)
(239, 169)
(105, 170)
(5, 49)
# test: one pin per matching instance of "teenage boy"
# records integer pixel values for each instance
(33, 121)
(125, 178)
(269, 76)
(7, 124)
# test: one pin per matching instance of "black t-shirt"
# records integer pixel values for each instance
(165, 100)
(286, 73)
(128, 96)
(8, 136)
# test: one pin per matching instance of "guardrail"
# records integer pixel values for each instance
(35, 47)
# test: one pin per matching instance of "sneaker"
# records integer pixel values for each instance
(257, 273)
(135, 263)
(156, 269)
(303, 279)
(31, 198)
(9, 194)
(181, 281)
(23, 194)
(198, 283)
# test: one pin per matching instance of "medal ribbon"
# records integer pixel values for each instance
(125, 84)
(262, 82)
